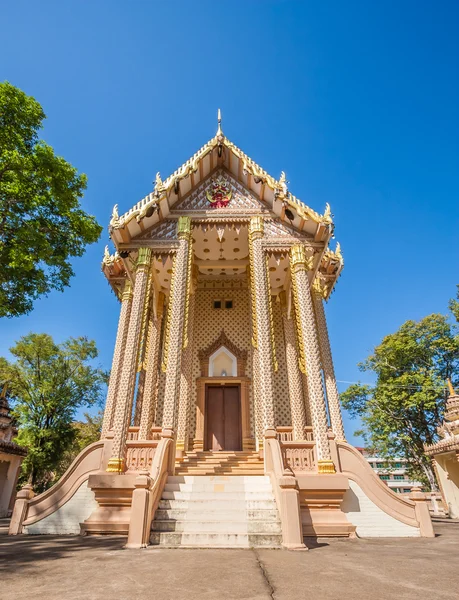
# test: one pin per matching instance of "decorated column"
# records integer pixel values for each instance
(128, 372)
(334, 408)
(152, 369)
(262, 324)
(295, 386)
(174, 335)
(118, 355)
(187, 365)
(309, 354)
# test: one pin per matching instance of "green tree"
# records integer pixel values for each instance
(86, 432)
(42, 224)
(401, 412)
(48, 383)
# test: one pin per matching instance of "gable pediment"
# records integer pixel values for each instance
(201, 198)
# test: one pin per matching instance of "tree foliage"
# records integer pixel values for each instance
(42, 224)
(48, 383)
(402, 411)
(86, 432)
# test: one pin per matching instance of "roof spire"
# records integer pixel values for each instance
(450, 387)
(219, 119)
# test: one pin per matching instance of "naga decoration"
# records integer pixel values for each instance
(219, 194)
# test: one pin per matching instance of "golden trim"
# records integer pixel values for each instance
(184, 228)
(143, 258)
(252, 294)
(128, 292)
(144, 331)
(167, 330)
(299, 261)
(188, 291)
(115, 465)
(271, 319)
(326, 467)
(299, 331)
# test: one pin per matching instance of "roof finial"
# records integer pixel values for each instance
(3, 394)
(450, 387)
(219, 119)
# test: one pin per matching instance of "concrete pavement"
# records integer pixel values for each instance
(52, 568)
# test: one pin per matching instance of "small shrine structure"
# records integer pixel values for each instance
(222, 425)
(445, 454)
(11, 457)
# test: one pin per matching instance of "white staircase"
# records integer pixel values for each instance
(217, 511)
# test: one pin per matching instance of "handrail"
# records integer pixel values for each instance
(147, 494)
(88, 461)
(285, 491)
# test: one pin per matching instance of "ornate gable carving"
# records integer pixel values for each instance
(240, 197)
(275, 228)
(166, 230)
(223, 340)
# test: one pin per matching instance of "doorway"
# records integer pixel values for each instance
(223, 418)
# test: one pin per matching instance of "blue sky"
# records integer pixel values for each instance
(356, 101)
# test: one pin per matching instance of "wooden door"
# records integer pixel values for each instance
(223, 418)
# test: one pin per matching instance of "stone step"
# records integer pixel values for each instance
(215, 540)
(213, 514)
(223, 504)
(217, 479)
(221, 470)
(212, 496)
(226, 486)
(203, 526)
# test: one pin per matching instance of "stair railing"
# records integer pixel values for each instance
(286, 492)
(148, 490)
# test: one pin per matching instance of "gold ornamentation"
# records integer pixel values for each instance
(159, 186)
(143, 346)
(256, 224)
(167, 331)
(184, 227)
(143, 258)
(220, 194)
(326, 467)
(188, 292)
(271, 319)
(338, 253)
(320, 287)
(115, 465)
(299, 333)
(127, 291)
(299, 260)
(256, 228)
(326, 217)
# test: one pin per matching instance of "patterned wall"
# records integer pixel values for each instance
(282, 412)
(208, 325)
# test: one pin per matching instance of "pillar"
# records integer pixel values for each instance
(118, 354)
(186, 381)
(309, 354)
(263, 334)
(128, 371)
(152, 370)
(295, 385)
(174, 335)
(334, 408)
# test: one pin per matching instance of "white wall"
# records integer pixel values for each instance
(66, 520)
(369, 519)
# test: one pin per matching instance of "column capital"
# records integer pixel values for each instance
(256, 227)
(298, 258)
(319, 287)
(184, 228)
(127, 291)
(143, 258)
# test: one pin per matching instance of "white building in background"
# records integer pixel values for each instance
(393, 472)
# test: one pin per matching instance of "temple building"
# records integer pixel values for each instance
(222, 424)
(445, 455)
(11, 456)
